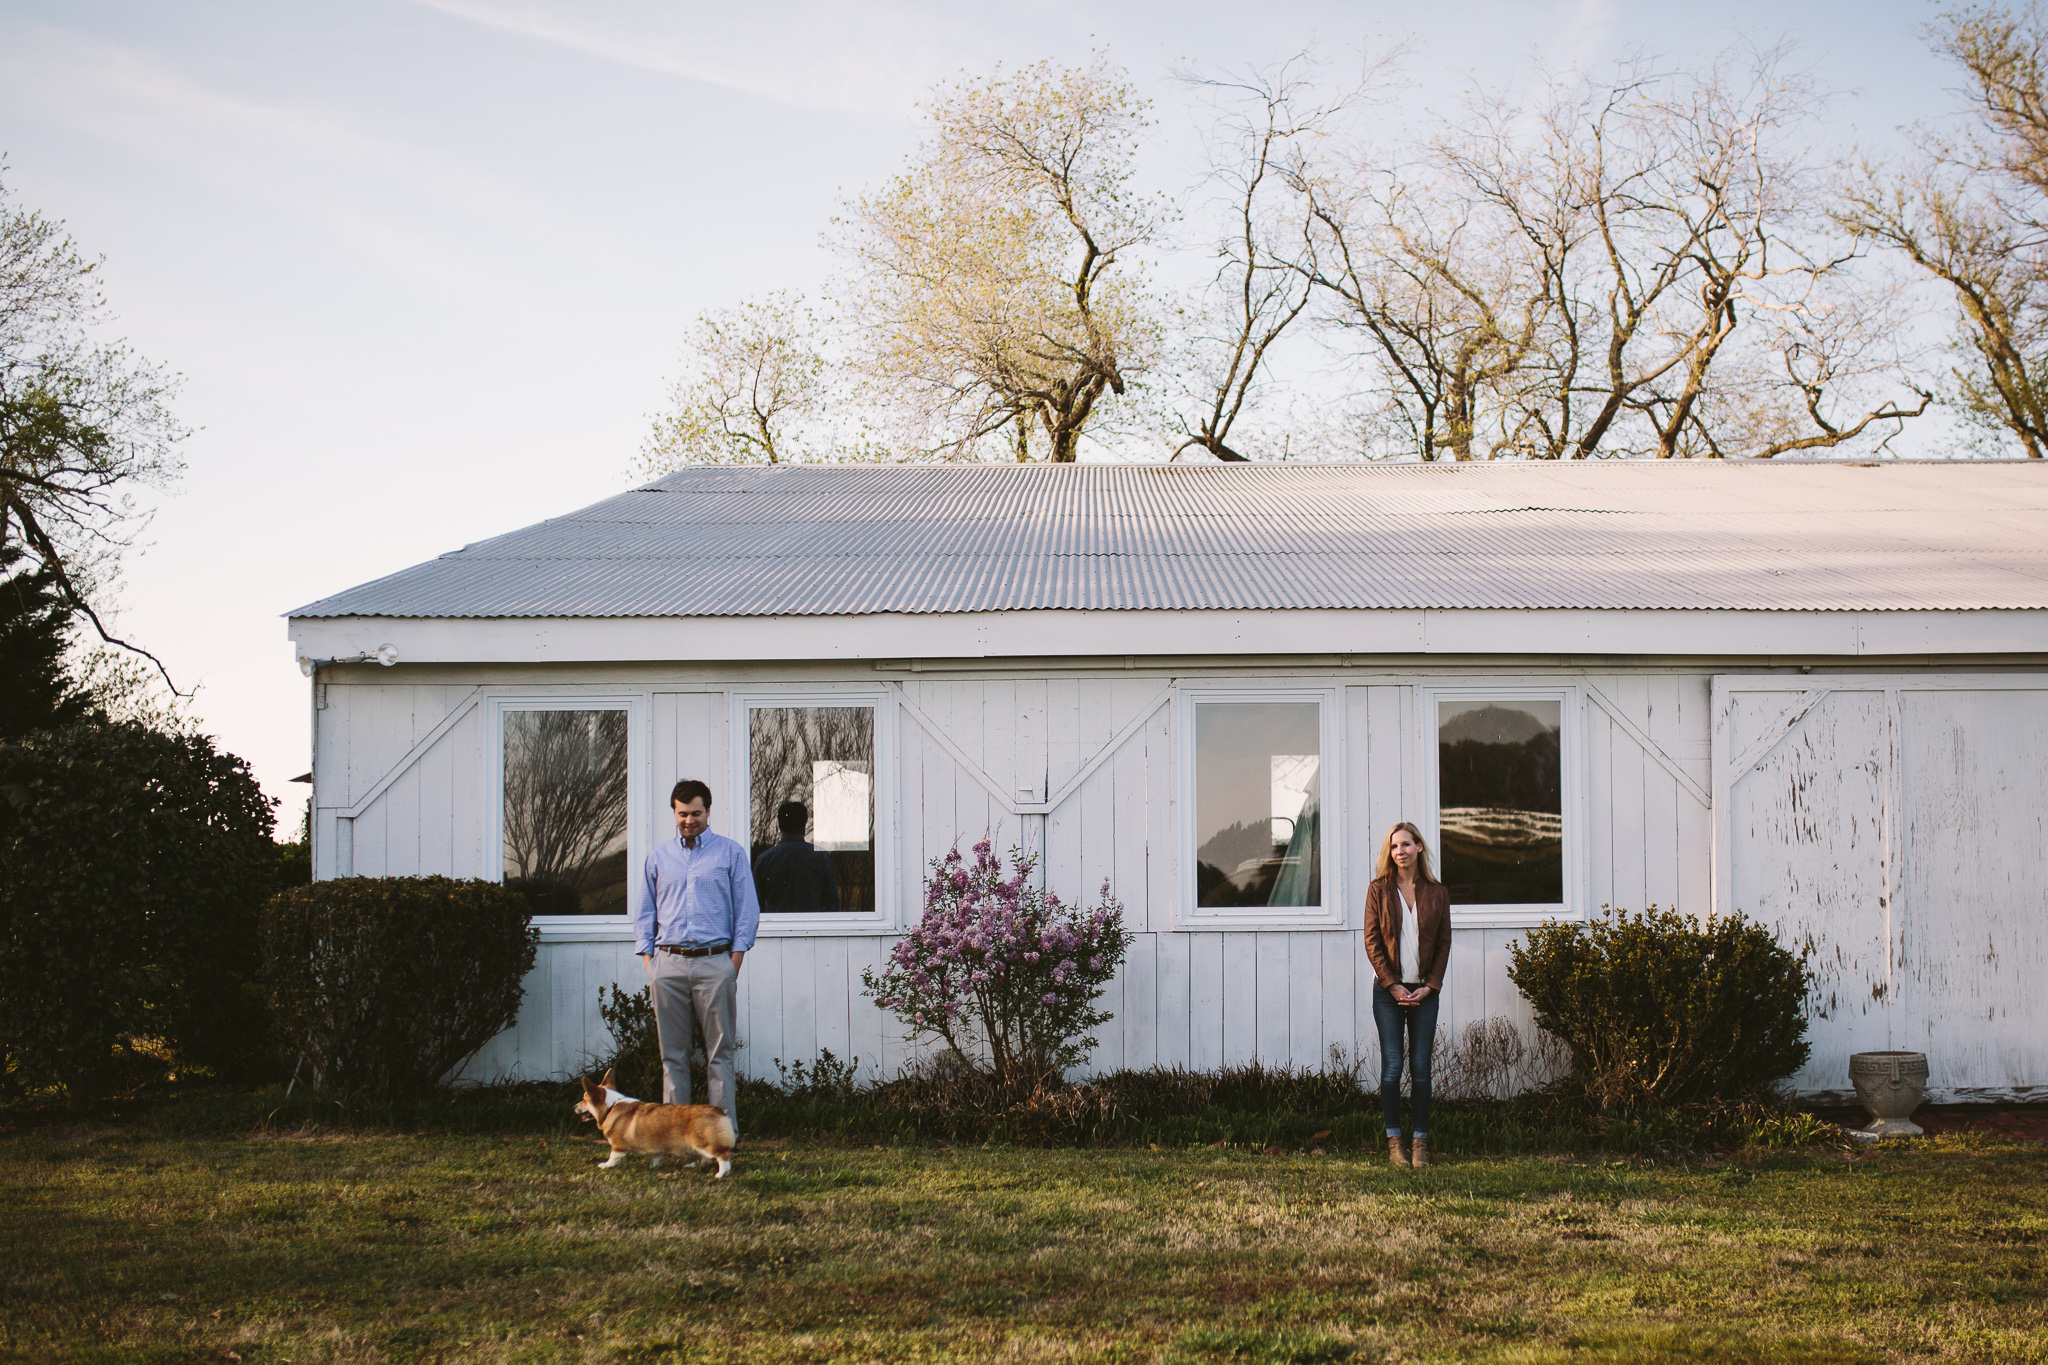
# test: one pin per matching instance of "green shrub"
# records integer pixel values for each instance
(390, 983)
(824, 1077)
(1661, 1010)
(132, 868)
(636, 1045)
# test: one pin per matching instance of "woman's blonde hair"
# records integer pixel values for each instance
(1385, 867)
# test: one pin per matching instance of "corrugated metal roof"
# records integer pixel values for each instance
(856, 540)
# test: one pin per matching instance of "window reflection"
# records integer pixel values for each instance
(811, 814)
(565, 810)
(1258, 804)
(1501, 801)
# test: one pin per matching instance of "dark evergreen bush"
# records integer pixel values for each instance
(133, 865)
(389, 983)
(1661, 1010)
(36, 691)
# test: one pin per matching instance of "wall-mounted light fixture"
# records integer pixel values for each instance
(386, 655)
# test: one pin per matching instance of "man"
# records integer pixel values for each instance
(696, 920)
(794, 878)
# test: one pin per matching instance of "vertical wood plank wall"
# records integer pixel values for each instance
(1204, 999)
(1900, 826)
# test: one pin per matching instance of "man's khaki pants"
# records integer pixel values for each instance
(692, 993)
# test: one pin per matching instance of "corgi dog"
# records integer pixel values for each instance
(656, 1130)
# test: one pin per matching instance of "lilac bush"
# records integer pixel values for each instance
(1001, 970)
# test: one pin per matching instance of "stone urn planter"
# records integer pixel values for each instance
(1890, 1085)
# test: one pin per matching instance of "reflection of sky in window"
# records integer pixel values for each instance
(1240, 750)
(1293, 775)
(840, 795)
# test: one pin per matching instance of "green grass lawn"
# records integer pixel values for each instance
(115, 1245)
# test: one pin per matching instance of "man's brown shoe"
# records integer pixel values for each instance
(1394, 1152)
(1421, 1157)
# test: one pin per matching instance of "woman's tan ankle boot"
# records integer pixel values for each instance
(1394, 1152)
(1421, 1157)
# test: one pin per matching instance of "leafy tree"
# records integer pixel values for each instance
(83, 423)
(295, 855)
(993, 294)
(132, 868)
(756, 375)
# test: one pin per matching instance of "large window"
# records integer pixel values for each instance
(565, 809)
(1500, 800)
(811, 800)
(1258, 804)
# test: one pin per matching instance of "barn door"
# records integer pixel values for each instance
(1901, 824)
(1805, 802)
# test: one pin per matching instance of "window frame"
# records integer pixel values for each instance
(638, 826)
(1574, 810)
(885, 917)
(1331, 914)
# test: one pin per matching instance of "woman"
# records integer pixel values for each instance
(1408, 942)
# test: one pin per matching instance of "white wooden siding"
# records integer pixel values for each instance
(1937, 945)
(1807, 856)
(1897, 824)
(1972, 881)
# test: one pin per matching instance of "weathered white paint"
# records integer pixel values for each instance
(1369, 635)
(1896, 819)
(1896, 822)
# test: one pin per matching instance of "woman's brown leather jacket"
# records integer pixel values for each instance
(1383, 931)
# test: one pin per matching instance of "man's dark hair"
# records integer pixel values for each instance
(792, 817)
(688, 790)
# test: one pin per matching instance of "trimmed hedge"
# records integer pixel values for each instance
(388, 984)
(1662, 1010)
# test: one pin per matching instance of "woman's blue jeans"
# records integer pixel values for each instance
(1418, 1022)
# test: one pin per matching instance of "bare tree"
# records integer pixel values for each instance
(1627, 267)
(83, 423)
(1972, 212)
(1446, 303)
(565, 794)
(1256, 294)
(785, 744)
(993, 294)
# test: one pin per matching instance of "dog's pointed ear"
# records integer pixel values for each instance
(590, 1092)
(607, 1081)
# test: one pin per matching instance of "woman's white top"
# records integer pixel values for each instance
(1411, 939)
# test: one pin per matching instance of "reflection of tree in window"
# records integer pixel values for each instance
(1258, 804)
(823, 757)
(565, 809)
(1500, 796)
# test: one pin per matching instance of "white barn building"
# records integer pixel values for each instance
(1815, 693)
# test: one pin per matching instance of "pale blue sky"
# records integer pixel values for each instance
(425, 266)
